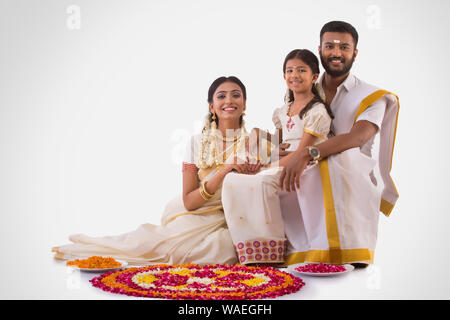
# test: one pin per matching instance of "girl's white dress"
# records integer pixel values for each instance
(252, 202)
(316, 122)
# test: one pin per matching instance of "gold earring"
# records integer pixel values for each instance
(243, 114)
(214, 116)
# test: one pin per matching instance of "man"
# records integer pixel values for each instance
(335, 219)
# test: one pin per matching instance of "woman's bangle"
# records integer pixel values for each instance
(204, 189)
(205, 195)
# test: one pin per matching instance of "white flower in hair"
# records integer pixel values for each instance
(206, 155)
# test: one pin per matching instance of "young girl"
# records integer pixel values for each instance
(252, 202)
(305, 118)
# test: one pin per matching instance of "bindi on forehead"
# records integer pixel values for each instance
(337, 38)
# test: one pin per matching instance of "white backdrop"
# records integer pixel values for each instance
(97, 97)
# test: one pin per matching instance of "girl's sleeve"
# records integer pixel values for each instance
(317, 121)
(276, 118)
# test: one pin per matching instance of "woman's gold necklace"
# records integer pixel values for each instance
(236, 139)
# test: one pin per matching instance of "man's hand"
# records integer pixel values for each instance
(293, 169)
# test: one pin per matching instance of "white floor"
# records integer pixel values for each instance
(356, 285)
(47, 278)
(408, 263)
(412, 258)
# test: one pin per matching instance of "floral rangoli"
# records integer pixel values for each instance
(195, 282)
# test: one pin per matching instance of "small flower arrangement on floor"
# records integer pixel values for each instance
(195, 282)
(94, 262)
(321, 268)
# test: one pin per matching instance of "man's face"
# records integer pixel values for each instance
(337, 52)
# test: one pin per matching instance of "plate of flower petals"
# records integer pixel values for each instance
(97, 264)
(320, 269)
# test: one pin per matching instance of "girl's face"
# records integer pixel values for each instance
(228, 102)
(299, 76)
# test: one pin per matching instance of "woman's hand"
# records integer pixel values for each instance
(239, 168)
(248, 167)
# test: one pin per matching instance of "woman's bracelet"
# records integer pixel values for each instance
(204, 196)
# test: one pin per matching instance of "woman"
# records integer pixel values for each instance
(193, 227)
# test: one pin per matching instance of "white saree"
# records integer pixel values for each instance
(341, 197)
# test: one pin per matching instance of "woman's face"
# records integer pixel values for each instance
(228, 102)
(299, 76)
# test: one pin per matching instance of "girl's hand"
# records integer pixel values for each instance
(282, 150)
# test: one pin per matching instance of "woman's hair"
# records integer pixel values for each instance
(214, 87)
(311, 60)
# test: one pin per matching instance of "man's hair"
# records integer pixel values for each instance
(340, 26)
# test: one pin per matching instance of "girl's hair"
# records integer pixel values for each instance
(311, 60)
(214, 87)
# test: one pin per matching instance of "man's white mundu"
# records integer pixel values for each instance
(341, 197)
